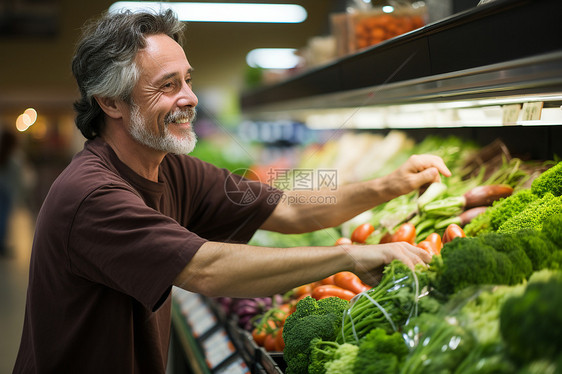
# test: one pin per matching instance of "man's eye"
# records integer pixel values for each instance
(168, 86)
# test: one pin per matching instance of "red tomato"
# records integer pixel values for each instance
(453, 231)
(343, 240)
(304, 295)
(362, 232)
(260, 332)
(301, 290)
(435, 240)
(387, 238)
(349, 281)
(270, 343)
(328, 280)
(259, 336)
(279, 342)
(406, 232)
(330, 290)
(284, 311)
(426, 246)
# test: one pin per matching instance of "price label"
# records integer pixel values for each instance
(531, 111)
(217, 348)
(201, 320)
(510, 114)
(236, 367)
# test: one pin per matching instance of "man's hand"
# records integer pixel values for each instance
(370, 260)
(418, 171)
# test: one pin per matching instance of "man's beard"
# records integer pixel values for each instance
(165, 141)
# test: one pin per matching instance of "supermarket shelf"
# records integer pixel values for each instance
(505, 50)
(208, 343)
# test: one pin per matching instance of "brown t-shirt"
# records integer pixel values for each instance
(107, 247)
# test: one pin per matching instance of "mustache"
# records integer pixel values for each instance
(190, 113)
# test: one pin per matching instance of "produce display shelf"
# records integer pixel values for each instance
(209, 343)
(503, 48)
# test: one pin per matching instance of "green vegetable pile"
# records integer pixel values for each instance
(488, 303)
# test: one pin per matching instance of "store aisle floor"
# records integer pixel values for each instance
(14, 272)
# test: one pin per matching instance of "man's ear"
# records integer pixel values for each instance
(110, 106)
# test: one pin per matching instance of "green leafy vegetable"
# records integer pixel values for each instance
(380, 353)
(440, 344)
(389, 305)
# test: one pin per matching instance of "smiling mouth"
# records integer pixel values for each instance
(181, 121)
(180, 118)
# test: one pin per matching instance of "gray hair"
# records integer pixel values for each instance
(104, 62)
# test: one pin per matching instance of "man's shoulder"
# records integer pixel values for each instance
(90, 167)
(88, 171)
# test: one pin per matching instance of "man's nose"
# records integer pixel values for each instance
(187, 97)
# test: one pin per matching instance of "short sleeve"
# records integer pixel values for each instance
(118, 241)
(223, 206)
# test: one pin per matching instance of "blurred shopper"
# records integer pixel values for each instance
(9, 183)
(132, 215)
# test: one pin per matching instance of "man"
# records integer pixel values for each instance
(132, 215)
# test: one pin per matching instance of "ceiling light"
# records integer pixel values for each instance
(221, 12)
(272, 58)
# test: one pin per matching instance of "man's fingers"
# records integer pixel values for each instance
(423, 162)
(409, 254)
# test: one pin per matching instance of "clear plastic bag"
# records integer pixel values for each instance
(390, 305)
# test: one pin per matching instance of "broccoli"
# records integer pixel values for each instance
(480, 224)
(515, 250)
(529, 323)
(506, 208)
(550, 181)
(552, 228)
(311, 319)
(328, 357)
(534, 215)
(380, 353)
(538, 247)
(344, 360)
(321, 352)
(468, 261)
(493, 258)
(389, 305)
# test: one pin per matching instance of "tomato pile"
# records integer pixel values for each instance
(406, 232)
(268, 332)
